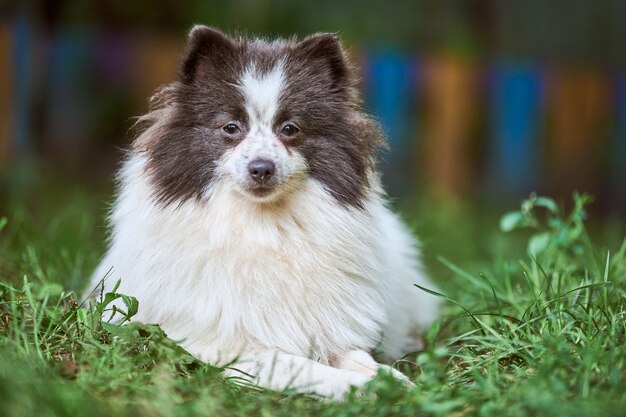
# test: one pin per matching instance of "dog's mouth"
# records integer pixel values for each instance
(260, 192)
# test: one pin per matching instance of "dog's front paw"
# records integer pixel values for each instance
(361, 361)
(396, 374)
(339, 387)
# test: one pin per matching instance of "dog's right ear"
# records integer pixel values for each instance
(206, 48)
(325, 48)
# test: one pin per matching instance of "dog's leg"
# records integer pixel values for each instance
(279, 371)
(361, 361)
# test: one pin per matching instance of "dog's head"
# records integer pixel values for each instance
(260, 117)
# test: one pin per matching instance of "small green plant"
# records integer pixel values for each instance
(106, 305)
(552, 232)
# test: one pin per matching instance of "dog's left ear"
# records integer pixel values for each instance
(326, 49)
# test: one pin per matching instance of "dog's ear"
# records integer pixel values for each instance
(206, 49)
(326, 49)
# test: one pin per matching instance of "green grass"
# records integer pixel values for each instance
(534, 323)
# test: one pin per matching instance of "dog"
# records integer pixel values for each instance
(251, 225)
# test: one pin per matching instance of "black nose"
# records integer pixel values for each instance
(261, 170)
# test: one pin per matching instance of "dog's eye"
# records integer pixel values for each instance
(289, 130)
(231, 129)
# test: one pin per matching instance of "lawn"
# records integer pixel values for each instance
(533, 323)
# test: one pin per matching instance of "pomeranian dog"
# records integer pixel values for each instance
(251, 225)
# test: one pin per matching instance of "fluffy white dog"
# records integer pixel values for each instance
(250, 222)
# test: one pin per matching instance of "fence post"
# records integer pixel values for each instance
(515, 109)
(390, 88)
(22, 75)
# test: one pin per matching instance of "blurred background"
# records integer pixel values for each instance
(483, 101)
(479, 98)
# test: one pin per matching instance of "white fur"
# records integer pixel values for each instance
(261, 92)
(290, 288)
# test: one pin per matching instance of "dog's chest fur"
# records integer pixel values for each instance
(298, 276)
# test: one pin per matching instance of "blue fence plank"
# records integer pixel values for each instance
(390, 84)
(22, 76)
(390, 87)
(515, 110)
(70, 107)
